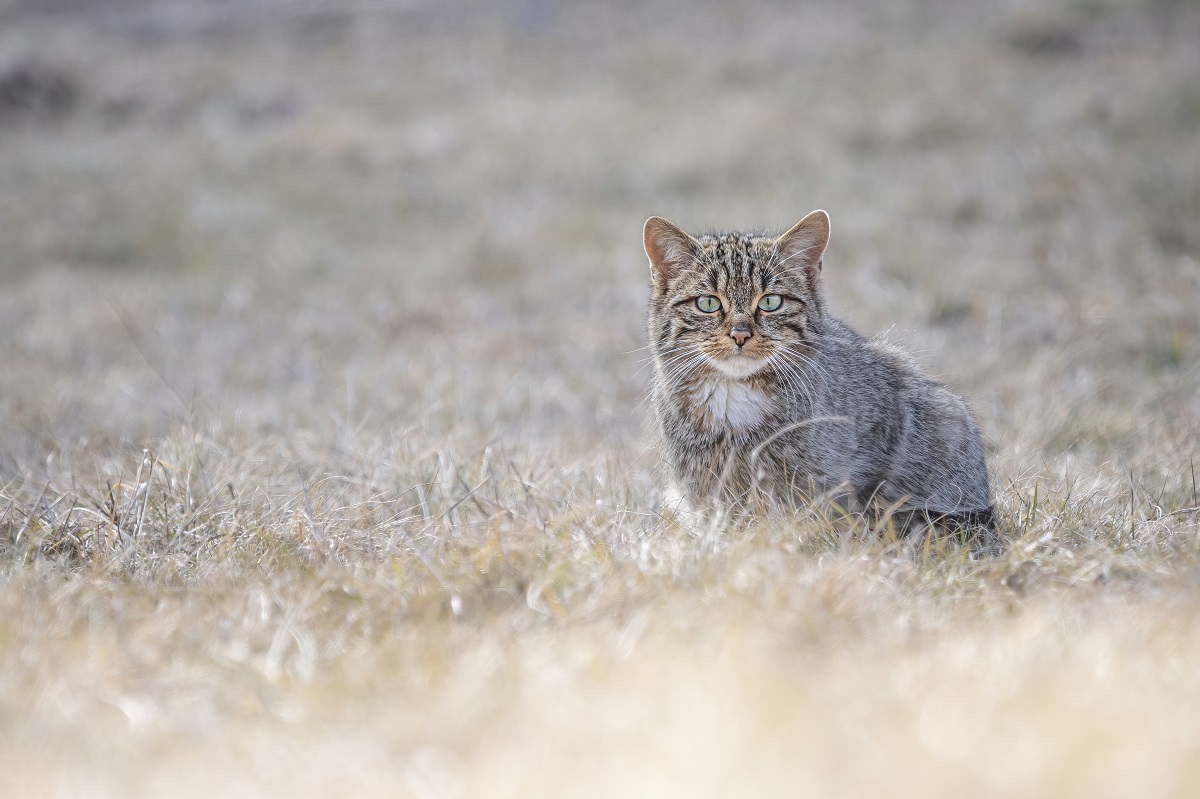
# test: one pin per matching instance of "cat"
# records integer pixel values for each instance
(762, 396)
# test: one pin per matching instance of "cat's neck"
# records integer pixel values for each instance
(720, 402)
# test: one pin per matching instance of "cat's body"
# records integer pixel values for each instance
(761, 395)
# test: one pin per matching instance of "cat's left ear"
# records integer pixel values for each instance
(805, 243)
(669, 249)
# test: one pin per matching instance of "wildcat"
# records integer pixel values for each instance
(761, 395)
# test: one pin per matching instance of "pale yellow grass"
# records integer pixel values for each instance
(323, 466)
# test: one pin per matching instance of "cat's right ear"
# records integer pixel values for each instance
(669, 249)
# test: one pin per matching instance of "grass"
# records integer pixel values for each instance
(323, 462)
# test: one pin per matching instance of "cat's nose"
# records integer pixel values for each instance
(741, 334)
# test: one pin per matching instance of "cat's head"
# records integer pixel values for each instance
(733, 302)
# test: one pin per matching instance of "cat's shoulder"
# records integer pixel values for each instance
(870, 353)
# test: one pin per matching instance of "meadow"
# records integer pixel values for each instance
(324, 454)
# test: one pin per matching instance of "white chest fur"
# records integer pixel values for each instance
(730, 403)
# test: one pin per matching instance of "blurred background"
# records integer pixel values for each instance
(268, 214)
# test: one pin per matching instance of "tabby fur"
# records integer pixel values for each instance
(792, 406)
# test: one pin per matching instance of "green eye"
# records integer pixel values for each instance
(708, 303)
(771, 302)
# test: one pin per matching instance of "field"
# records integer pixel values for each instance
(324, 462)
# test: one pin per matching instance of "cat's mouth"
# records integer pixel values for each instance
(738, 364)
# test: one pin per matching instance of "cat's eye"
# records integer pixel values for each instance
(771, 302)
(708, 303)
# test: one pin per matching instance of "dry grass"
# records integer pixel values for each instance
(322, 465)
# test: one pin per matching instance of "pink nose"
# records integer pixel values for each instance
(741, 334)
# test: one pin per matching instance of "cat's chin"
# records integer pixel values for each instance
(738, 366)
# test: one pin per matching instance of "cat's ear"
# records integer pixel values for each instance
(804, 244)
(669, 249)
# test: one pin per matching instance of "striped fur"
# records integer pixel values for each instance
(804, 409)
